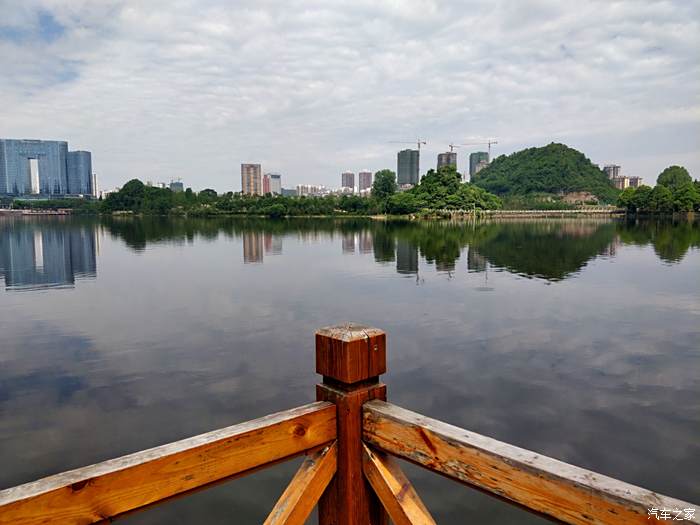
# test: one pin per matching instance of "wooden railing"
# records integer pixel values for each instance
(349, 436)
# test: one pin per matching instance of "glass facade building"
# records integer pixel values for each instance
(474, 160)
(408, 162)
(79, 169)
(43, 168)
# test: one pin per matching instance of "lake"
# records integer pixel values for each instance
(575, 338)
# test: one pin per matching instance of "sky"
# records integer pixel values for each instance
(161, 90)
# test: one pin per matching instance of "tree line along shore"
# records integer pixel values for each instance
(533, 179)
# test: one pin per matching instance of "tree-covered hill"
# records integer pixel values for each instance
(554, 168)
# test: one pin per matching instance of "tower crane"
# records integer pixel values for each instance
(452, 146)
(418, 142)
(489, 142)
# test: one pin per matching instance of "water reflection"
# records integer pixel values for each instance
(52, 254)
(194, 325)
(36, 254)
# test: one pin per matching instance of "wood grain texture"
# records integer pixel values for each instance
(396, 493)
(562, 491)
(306, 487)
(104, 490)
(349, 500)
(350, 353)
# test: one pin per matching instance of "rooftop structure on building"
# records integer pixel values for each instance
(44, 168)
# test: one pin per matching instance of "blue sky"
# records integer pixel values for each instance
(161, 90)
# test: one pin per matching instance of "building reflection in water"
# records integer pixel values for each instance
(406, 257)
(273, 244)
(475, 261)
(37, 256)
(349, 242)
(365, 242)
(252, 247)
(256, 243)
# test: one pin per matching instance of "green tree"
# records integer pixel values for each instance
(640, 200)
(444, 189)
(403, 203)
(686, 198)
(551, 169)
(661, 199)
(626, 199)
(207, 196)
(673, 177)
(384, 185)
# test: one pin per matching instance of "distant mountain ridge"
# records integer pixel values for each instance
(555, 168)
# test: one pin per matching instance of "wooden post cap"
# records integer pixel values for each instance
(350, 352)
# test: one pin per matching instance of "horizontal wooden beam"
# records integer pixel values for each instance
(393, 489)
(562, 491)
(306, 487)
(104, 490)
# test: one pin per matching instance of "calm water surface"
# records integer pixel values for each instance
(578, 339)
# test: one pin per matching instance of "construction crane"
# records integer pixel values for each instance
(489, 142)
(418, 142)
(452, 146)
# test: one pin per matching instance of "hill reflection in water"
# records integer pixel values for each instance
(546, 249)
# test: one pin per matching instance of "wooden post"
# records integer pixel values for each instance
(350, 357)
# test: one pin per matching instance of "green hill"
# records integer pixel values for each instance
(554, 168)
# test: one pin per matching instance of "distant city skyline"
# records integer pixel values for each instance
(44, 168)
(193, 91)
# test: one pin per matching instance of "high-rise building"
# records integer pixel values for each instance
(251, 179)
(620, 182)
(635, 182)
(449, 158)
(347, 179)
(43, 168)
(272, 183)
(176, 186)
(365, 180)
(612, 170)
(474, 160)
(79, 172)
(408, 164)
(480, 166)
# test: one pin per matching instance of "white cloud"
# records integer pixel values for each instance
(159, 90)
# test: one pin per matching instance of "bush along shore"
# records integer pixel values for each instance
(675, 192)
(437, 190)
(440, 193)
